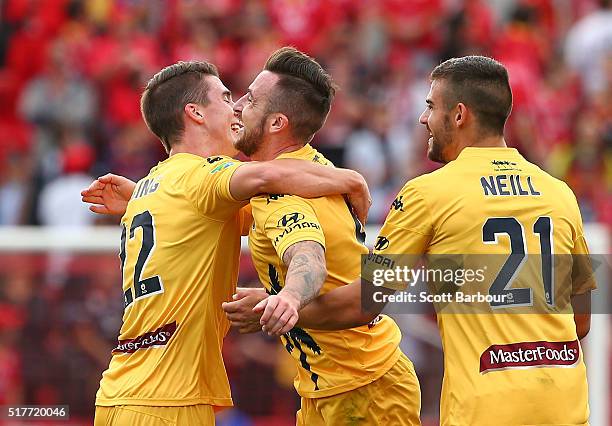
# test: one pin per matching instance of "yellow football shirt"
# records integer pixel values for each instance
(505, 367)
(329, 362)
(180, 247)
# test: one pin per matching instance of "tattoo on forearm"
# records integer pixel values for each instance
(306, 272)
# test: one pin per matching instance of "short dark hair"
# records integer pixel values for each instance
(166, 94)
(481, 84)
(304, 91)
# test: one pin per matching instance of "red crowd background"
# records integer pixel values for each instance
(71, 75)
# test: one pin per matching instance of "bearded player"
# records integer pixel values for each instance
(521, 362)
(180, 245)
(301, 247)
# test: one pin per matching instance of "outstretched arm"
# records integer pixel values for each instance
(302, 178)
(306, 274)
(340, 309)
(109, 194)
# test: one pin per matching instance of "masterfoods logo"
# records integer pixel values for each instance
(530, 355)
(153, 339)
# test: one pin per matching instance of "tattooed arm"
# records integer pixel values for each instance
(306, 274)
(306, 271)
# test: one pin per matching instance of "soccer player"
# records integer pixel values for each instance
(514, 365)
(301, 247)
(180, 245)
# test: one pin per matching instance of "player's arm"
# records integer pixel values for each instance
(109, 194)
(306, 273)
(335, 310)
(581, 305)
(583, 277)
(302, 178)
(407, 230)
(339, 309)
(247, 220)
(583, 281)
(239, 310)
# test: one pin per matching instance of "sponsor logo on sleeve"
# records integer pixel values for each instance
(292, 221)
(381, 243)
(525, 355)
(398, 203)
(221, 167)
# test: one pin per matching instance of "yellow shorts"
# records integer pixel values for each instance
(394, 399)
(141, 415)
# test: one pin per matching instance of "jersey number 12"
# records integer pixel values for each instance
(143, 287)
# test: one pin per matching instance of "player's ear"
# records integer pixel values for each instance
(277, 122)
(461, 115)
(194, 112)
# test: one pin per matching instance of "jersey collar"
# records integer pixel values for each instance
(470, 152)
(303, 152)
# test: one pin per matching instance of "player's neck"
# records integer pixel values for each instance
(496, 141)
(477, 142)
(269, 151)
(189, 146)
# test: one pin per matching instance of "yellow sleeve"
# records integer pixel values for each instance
(289, 221)
(408, 227)
(210, 187)
(583, 274)
(246, 219)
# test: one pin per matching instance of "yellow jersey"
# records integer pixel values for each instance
(329, 362)
(180, 246)
(505, 367)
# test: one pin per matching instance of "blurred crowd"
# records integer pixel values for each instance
(71, 75)
(72, 71)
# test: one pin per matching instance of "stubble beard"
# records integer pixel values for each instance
(251, 139)
(440, 142)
